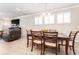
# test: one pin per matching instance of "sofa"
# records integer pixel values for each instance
(14, 34)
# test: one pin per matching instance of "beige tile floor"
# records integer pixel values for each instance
(19, 47)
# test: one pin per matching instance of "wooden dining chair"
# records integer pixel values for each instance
(29, 36)
(72, 37)
(50, 40)
(37, 39)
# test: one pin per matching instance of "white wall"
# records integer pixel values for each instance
(27, 22)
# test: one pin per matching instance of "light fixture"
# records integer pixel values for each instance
(46, 12)
(46, 16)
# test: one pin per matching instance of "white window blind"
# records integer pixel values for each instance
(49, 19)
(60, 17)
(67, 17)
(64, 17)
(46, 19)
(52, 19)
(38, 20)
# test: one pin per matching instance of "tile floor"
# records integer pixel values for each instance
(19, 47)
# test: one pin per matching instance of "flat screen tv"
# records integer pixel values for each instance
(16, 22)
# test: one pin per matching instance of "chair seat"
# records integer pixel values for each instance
(38, 41)
(50, 44)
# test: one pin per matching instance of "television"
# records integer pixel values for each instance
(15, 22)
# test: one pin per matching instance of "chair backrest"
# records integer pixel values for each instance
(51, 30)
(50, 36)
(72, 35)
(36, 35)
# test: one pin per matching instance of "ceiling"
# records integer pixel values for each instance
(10, 10)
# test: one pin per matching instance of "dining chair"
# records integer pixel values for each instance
(37, 39)
(29, 36)
(72, 37)
(50, 40)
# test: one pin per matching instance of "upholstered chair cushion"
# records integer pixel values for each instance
(50, 44)
(38, 41)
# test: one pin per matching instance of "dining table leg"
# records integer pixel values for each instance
(66, 48)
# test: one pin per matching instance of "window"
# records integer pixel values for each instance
(49, 19)
(60, 18)
(52, 19)
(63, 17)
(67, 17)
(46, 19)
(38, 20)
